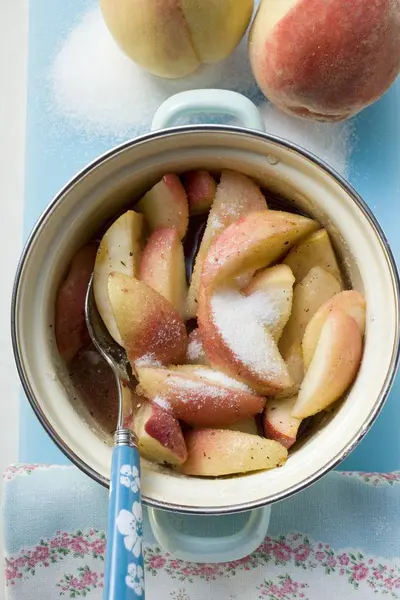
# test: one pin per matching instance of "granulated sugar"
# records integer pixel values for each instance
(333, 142)
(242, 321)
(103, 92)
(194, 350)
(221, 379)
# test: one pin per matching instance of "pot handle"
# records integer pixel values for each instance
(223, 102)
(170, 531)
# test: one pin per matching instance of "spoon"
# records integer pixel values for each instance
(124, 573)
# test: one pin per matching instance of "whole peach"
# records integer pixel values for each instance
(172, 38)
(325, 59)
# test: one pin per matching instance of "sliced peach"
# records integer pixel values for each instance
(334, 366)
(162, 266)
(166, 205)
(236, 195)
(351, 302)
(236, 339)
(276, 283)
(150, 328)
(195, 354)
(159, 435)
(199, 396)
(200, 188)
(216, 452)
(278, 422)
(119, 252)
(312, 292)
(253, 242)
(245, 426)
(69, 319)
(313, 251)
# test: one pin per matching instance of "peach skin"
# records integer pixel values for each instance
(279, 424)
(200, 188)
(199, 396)
(351, 302)
(325, 59)
(166, 205)
(150, 328)
(334, 365)
(236, 195)
(162, 266)
(159, 435)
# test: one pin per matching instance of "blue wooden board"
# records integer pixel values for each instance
(54, 153)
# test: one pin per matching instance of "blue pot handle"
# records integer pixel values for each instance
(222, 102)
(124, 572)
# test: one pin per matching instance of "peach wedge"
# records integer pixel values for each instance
(236, 339)
(217, 452)
(150, 328)
(351, 302)
(313, 251)
(162, 266)
(276, 285)
(166, 205)
(312, 292)
(69, 319)
(236, 195)
(200, 188)
(278, 422)
(334, 365)
(159, 435)
(253, 242)
(199, 396)
(119, 252)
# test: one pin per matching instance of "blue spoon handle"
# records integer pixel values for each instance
(124, 572)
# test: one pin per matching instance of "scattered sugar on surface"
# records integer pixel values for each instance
(242, 322)
(162, 403)
(194, 349)
(333, 142)
(147, 360)
(222, 379)
(101, 91)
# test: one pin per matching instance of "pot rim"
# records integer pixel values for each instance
(363, 207)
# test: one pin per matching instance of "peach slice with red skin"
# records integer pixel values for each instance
(159, 434)
(279, 424)
(217, 452)
(162, 266)
(225, 316)
(199, 396)
(69, 322)
(200, 189)
(166, 205)
(149, 326)
(351, 302)
(252, 242)
(236, 195)
(334, 365)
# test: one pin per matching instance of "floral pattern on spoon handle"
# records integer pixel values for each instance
(124, 574)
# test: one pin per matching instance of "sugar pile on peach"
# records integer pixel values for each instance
(229, 363)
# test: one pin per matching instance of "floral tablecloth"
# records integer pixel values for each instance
(339, 539)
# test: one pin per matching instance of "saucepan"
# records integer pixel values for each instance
(113, 182)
